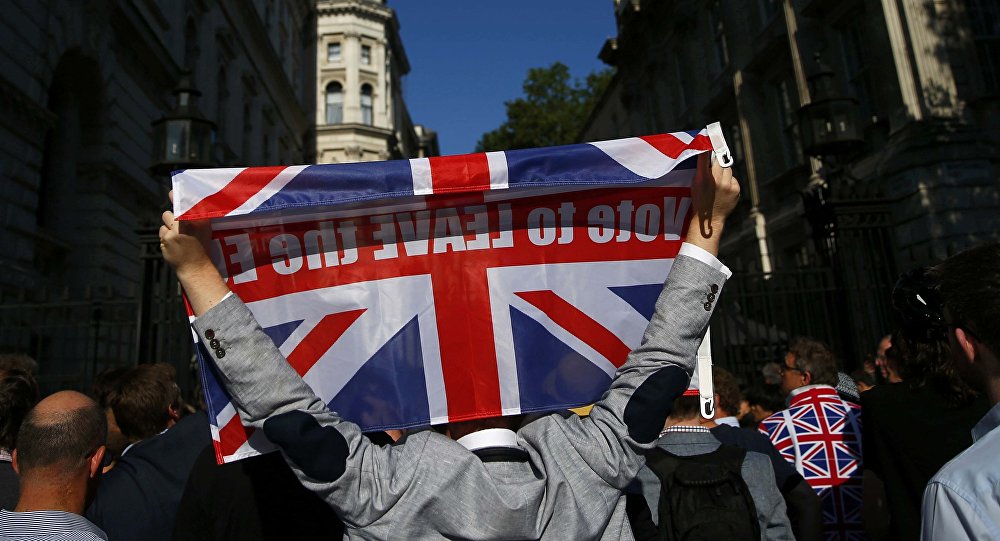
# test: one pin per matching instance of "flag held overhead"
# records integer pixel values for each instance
(431, 290)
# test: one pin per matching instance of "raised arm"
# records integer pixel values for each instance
(329, 455)
(630, 415)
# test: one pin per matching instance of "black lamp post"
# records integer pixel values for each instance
(850, 220)
(830, 123)
(183, 138)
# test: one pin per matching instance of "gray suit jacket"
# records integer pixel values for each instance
(756, 472)
(430, 487)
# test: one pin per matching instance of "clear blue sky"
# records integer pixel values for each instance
(469, 56)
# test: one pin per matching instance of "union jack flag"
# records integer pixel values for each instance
(430, 290)
(820, 434)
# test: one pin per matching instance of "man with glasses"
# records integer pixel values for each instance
(820, 434)
(961, 501)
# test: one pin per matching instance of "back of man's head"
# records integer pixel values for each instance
(18, 361)
(18, 394)
(970, 291)
(59, 435)
(815, 357)
(686, 410)
(728, 390)
(145, 400)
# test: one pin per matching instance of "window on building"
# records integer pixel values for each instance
(985, 18)
(366, 104)
(366, 54)
(768, 10)
(680, 86)
(856, 67)
(191, 49)
(719, 37)
(787, 104)
(333, 52)
(334, 103)
(221, 95)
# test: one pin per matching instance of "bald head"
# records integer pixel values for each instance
(63, 430)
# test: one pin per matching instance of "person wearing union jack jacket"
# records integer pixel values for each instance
(559, 476)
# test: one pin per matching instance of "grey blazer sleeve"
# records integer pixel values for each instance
(331, 457)
(631, 414)
(771, 512)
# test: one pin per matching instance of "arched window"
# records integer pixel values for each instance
(191, 49)
(334, 103)
(366, 104)
(221, 97)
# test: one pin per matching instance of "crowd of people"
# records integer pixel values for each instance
(901, 449)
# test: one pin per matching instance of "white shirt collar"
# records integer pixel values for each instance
(490, 437)
(731, 421)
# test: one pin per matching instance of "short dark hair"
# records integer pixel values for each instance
(18, 361)
(768, 398)
(686, 407)
(106, 383)
(142, 398)
(860, 376)
(926, 361)
(970, 290)
(728, 390)
(18, 394)
(65, 437)
(815, 357)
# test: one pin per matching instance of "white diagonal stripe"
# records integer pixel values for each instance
(192, 185)
(277, 183)
(638, 156)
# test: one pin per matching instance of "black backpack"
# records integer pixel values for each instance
(704, 497)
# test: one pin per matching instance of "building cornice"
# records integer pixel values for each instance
(360, 8)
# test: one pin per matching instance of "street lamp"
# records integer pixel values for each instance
(829, 124)
(183, 138)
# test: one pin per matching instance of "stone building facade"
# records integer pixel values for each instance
(926, 77)
(81, 85)
(360, 112)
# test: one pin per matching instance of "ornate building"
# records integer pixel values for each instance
(822, 238)
(360, 112)
(83, 177)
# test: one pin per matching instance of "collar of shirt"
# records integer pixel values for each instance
(491, 437)
(809, 390)
(731, 421)
(129, 446)
(684, 428)
(986, 425)
(41, 523)
(5, 456)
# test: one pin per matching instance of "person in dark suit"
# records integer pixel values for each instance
(138, 498)
(254, 499)
(18, 394)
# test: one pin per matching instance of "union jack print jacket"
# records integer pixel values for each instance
(820, 434)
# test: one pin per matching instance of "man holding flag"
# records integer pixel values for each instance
(562, 475)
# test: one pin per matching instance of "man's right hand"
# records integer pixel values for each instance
(714, 195)
(183, 245)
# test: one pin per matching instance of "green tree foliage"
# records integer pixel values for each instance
(551, 112)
